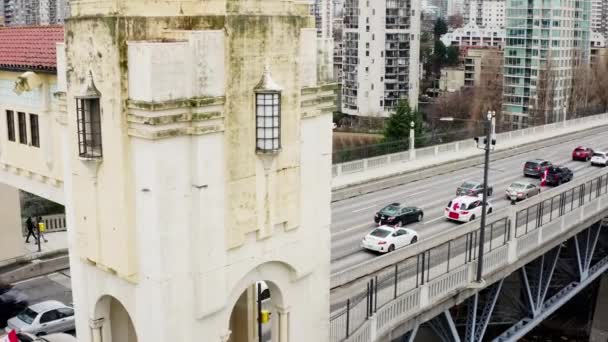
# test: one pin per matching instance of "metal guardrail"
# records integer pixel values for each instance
(365, 164)
(402, 289)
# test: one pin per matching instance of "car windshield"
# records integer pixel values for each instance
(580, 149)
(381, 233)
(468, 185)
(601, 155)
(28, 315)
(390, 210)
(518, 186)
(531, 164)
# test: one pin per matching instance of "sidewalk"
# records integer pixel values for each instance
(56, 241)
(346, 180)
(52, 258)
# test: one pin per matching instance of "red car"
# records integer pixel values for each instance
(582, 153)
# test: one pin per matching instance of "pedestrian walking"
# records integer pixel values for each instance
(29, 224)
(41, 229)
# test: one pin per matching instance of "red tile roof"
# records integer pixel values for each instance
(29, 47)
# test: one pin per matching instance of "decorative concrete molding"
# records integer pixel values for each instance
(60, 109)
(27, 82)
(96, 323)
(318, 100)
(161, 120)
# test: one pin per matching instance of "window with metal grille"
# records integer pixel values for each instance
(268, 121)
(89, 127)
(10, 125)
(34, 130)
(22, 128)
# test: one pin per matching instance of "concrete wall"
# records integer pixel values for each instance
(181, 210)
(35, 169)
(11, 243)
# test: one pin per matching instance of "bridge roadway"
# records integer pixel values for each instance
(353, 218)
(423, 281)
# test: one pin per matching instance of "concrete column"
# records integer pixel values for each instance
(11, 237)
(599, 326)
(283, 323)
(96, 326)
(412, 141)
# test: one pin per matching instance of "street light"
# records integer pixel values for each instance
(489, 123)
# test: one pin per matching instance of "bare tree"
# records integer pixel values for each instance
(542, 110)
(489, 91)
(598, 94)
(455, 21)
(580, 87)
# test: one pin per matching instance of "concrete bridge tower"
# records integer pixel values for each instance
(198, 156)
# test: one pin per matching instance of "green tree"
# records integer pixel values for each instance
(439, 57)
(398, 124)
(452, 55)
(440, 28)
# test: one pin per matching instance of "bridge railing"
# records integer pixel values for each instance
(362, 165)
(401, 289)
(52, 223)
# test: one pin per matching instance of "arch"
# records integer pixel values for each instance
(243, 302)
(277, 274)
(116, 323)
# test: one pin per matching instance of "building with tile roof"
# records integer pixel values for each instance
(30, 48)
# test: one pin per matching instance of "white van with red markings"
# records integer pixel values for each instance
(465, 208)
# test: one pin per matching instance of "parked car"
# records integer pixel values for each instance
(386, 239)
(43, 318)
(465, 208)
(26, 337)
(582, 153)
(521, 190)
(556, 175)
(12, 301)
(536, 167)
(397, 214)
(472, 188)
(599, 158)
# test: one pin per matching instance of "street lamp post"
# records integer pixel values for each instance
(484, 204)
(489, 130)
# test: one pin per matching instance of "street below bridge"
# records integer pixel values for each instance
(352, 218)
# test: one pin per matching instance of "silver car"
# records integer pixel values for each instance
(43, 318)
(521, 190)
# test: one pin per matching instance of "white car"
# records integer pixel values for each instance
(43, 318)
(25, 337)
(465, 208)
(386, 239)
(599, 158)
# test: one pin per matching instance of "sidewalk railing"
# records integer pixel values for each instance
(52, 223)
(363, 165)
(402, 288)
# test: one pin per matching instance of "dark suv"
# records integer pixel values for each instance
(557, 175)
(536, 167)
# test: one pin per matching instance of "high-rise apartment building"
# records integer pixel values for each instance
(34, 12)
(485, 12)
(455, 7)
(381, 56)
(599, 16)
(546, 41)
(323, 11)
